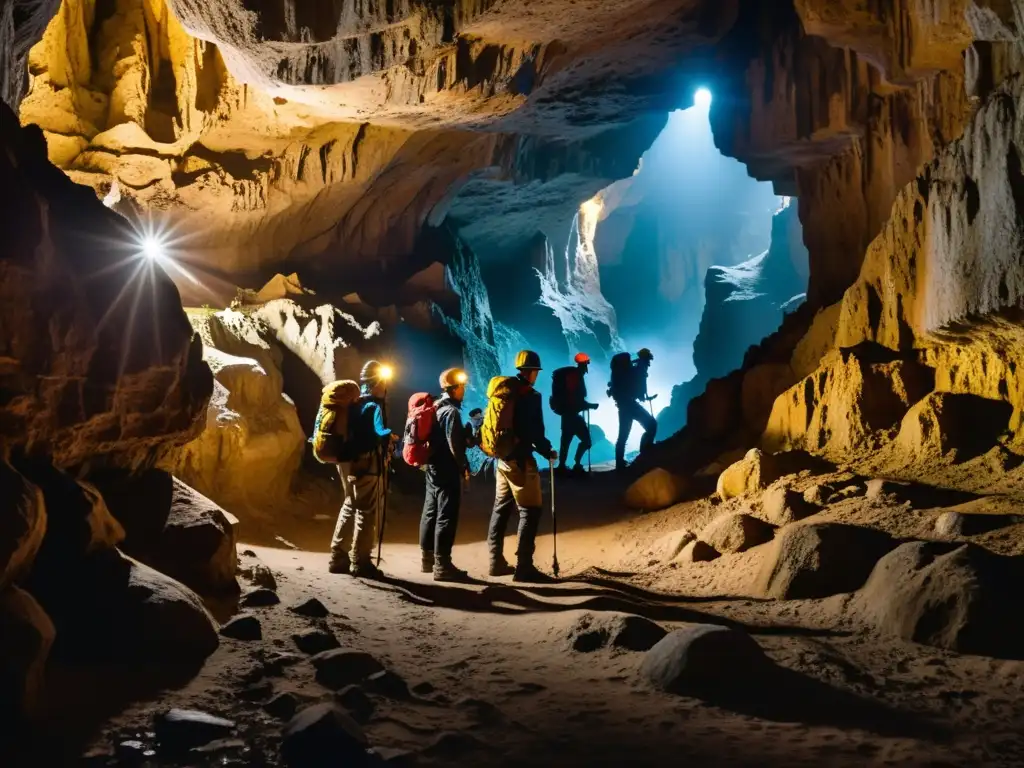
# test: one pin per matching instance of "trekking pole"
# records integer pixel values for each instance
(554, 522)
(590, 449)
(382, 491)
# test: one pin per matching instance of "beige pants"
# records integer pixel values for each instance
(522, 480)
(356, 528)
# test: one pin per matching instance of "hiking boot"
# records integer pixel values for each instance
(339, 565)
(529, 574)
(366, 571)
(561, 470)
(500, 568)
(621, 466)
(444, 570)
(426, 562)
(579, 471)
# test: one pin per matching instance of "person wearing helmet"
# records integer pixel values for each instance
(627, 399)
(569, 401)
(517, 478)
(447, 468)
(362, 479)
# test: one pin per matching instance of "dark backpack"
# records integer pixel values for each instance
(564, 385)
(623, 383)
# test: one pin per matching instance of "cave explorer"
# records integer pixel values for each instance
(445, 473)
(627, 387)
(513, 430)
(569, 401)
(362, 478)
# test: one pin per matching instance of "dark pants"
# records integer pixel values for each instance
(517, 488)
(630, 411)
(440, 516)
(574, 425)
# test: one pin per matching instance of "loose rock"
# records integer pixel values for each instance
(952, 524)
(260, 576)
(753, 473)
(282, 706)
(657, 489)
(323, 736)
(736, 532)
(243, 628)
(697, 552)
(311, 608)
(781, 506)
(180, 730)
(387, 683)
(669, 546)
(314, 641)
(812, 561)
(624, 631)
(337, 668)
(259, 598)
(696, 657)
(355, 700)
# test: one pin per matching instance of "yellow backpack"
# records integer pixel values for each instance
(331, 439)
(497, 438)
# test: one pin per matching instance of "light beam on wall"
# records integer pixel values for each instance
(702, 98)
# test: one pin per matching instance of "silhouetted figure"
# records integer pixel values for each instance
(569, 401)
(514, 417)
(628, 388)
(445, 472)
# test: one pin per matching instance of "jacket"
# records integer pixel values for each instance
(528, 424)
(366, 425)
(448, 437)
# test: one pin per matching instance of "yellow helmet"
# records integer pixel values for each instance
(453, 377)
(527, 360)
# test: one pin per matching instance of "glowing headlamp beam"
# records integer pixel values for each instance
(386, 372)
(460, 378)
(152, 248)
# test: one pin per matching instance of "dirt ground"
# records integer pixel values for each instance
(494, 682)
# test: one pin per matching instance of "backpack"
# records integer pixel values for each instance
(419, 424)
(564, 384)
(622, 385)
(497, 438)
(331, 440)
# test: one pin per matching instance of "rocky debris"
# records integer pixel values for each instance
(736, 532)
(817, 560)
(310, 608)
(180, 730)
(282, 706)
(959, 424)
(423, 689)
(668, 547)
(26, 636)
(259, 598)
(696, 658)
(260, 576)
(818, 494)
(623, 631)
(387, 683)
(452, 745)
(851, 404)
(751, 474)
(323, 736)
(21, 526)
(697, 552)
(781, 505)
(243, 628)
(919, 496)
(257, 692)
(315, 640)
(355, 700)
(960, 597)
(952, 524)
(657, 489)
(337, 668)
(846, 492)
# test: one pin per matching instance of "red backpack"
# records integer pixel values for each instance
(419, 424)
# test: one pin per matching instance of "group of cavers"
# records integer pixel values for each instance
(351, 432)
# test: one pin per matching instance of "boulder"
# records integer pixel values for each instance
(950, 425)
(955, 596)
(781, 505)
(355, 700)
(180, 730)
(313, 641)
(657, 489)
(817, 560)
(751, 474)
(668, 547)
(817, 495)
(259, 575)
(323, 736)
(22, 523)
(26, 636)
(736, 532)
(243, 628)
(696, 658)
(310, 608)
(337, 668)
(259, 598)
(282, 706)
(952, 524)
(387, 683)
(624, 631)
(697, 552)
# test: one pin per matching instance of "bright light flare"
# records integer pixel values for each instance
(460, 377)
(153, 248)
(592, 208)
(702, 98)
(386, 372)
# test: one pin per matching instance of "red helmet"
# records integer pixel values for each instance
(582, 357)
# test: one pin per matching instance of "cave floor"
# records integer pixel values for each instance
(500, 681)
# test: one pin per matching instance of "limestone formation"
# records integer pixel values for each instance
(21, 526)
(754, 472)
(26, 636)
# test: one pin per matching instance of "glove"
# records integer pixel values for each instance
(593, 406)
(553, 455)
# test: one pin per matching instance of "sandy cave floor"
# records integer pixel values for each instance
(501, 687)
